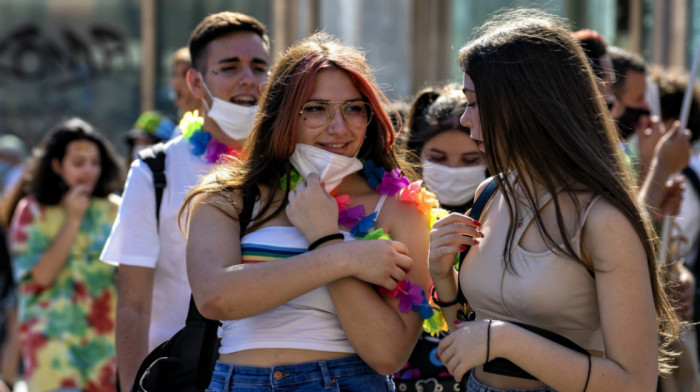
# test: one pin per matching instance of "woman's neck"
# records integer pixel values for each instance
(353, 184)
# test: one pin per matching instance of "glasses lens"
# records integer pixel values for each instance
(356, 114)
(316, 114)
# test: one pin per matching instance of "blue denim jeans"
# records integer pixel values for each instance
(473, 385)
(335, 375)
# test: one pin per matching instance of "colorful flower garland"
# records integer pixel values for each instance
(201, 141)
(411, 296)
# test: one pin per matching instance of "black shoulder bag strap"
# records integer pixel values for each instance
(210, 344)
(154, 157)
(475, 213)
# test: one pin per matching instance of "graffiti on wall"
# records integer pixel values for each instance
(31, 54)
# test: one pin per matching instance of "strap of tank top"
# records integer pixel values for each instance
(582, 221)
(250, 206)
(380, 203)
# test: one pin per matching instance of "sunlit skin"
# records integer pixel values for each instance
(80, 166)
(184, 100)
(470, 118)
(336, 136)
(452, 148)
(634, 97)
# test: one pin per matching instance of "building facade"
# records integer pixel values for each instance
(108, 60)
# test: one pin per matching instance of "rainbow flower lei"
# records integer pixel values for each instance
(201, 142)
(411, 296)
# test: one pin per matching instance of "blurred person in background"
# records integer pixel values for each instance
(185, 101)
(66, 296)
(9, 329)
(686, 225)
(150, 128)
(13, 152)
(656, 152)
(452, 167)
(595, 48)
(672, 85)
(451, 163)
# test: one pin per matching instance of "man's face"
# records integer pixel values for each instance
(236, 68)
(634, 95)
(631, 109)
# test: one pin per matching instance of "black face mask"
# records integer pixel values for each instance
(629, 120)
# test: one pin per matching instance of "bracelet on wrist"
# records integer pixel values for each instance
(442, 304)
(324, 239)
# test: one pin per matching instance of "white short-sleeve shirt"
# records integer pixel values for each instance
(135, 241)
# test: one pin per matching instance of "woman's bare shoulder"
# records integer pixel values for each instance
(610, 238)
(230, 203)
(403, 213)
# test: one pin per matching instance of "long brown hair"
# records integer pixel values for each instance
(273, 138)
(539, 103)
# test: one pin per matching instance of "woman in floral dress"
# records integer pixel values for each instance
(67, 297)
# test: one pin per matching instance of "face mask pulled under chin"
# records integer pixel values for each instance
(453, 186)
(628, 122)
(236, 121)
(331, 168)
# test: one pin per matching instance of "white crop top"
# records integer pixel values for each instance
(307, 322)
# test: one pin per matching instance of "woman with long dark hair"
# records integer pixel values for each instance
(67, 296)
(562, 247)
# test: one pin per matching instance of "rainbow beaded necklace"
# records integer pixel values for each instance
(201, 141)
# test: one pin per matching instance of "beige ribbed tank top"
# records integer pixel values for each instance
(544, 289)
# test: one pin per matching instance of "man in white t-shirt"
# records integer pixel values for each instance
(230, 56)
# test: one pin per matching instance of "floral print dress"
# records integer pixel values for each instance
(66, 330)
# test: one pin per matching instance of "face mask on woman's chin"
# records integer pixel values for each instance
(453, 186)
(236, 121)
(331, 168)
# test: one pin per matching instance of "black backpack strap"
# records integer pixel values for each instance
(475, 213)
(154, 157)
(210, 343)
(484, 197)
(478, 208)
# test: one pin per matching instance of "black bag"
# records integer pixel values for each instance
(501, 365)
(185, 362)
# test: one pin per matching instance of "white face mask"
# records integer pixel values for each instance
(235, 120)
(453, 186)
(330, 167)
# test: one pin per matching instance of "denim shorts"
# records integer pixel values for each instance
(473, 385)
(335, 375)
